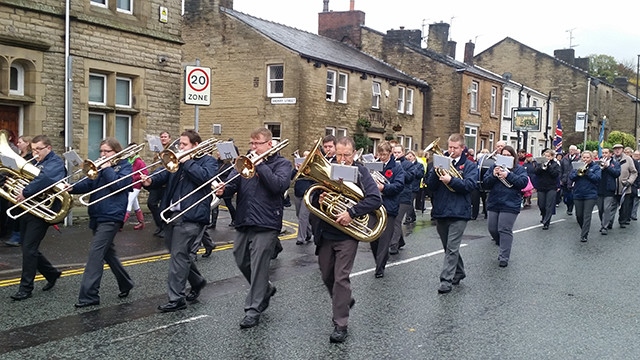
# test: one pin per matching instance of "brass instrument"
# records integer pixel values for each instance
(378, 177)
(504, 181)
(546, 164)
(339, 197)
(171, 159)
(452, 171)
(604, 163)
(244, 165)
(55, 206)
(583, 170)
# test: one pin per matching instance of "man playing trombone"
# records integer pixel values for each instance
(195, 169)
(32, 228)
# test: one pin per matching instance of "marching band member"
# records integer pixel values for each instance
(181, 234)
(610, 171)
(585, 192)
(623, 198)
(405, 199)
(105, 220)
(503, 202)
(336, 250)
(155, 194)
(452, 210)
(258, 221)
(32, 228)
(548, 175)
(390, 191)
(329, 147)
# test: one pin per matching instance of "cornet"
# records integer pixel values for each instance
(604, 163)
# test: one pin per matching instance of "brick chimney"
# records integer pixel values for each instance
(566, 55)
(582, 63)
(343, 26)
(469, 48)
(438, 37)
(412, 37)
(451, 48)
(621, 83)
(325, 6)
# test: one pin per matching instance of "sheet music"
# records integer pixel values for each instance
(73, 158)
(505, 161)
(344, 172)
(443, 162)
(155, 144)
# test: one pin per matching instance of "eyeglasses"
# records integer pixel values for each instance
(105, 151)
(40, 148)
(256, 143)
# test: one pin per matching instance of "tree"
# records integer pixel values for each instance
(603, 66)
(619, 137)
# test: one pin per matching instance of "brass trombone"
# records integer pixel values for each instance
(170, 161)
(244, 165)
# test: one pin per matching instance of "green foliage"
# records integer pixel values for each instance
(593, 145)
(362, 142)
(364, 123)
(603, 66)
(619, 137)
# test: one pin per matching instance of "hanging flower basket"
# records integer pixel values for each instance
(397, 127)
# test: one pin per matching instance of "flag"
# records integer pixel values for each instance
(557, 139)
(601, 138)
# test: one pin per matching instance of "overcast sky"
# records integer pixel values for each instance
(609, 28)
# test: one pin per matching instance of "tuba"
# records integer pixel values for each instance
(452, 171)
(339, 197)
(58, 202)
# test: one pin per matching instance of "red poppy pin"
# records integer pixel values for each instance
(461, 167)
(388, 174)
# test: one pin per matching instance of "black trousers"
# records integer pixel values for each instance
(153, 203)
(32, 231)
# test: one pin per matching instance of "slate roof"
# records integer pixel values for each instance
(323, 49)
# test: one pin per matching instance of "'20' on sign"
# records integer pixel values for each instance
(197, 89)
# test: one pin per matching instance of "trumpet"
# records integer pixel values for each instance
(244, 166)
(546, 165)
(170, 161)
(604, 163)
(583, 170)
(504, 180)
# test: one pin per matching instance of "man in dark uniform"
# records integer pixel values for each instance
(155, 194)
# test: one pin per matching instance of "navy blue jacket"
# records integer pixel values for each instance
(371, 202)
(504, 199)
(51, 170)
(113, 208)
(391, 191)
(190, 175)
(301, 185)
(586, 186)
(409, 174)
(548, 179)
(609, 179)
(453, 205)
(259, 201)
(418, 172)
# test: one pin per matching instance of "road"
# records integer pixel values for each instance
(558, 298)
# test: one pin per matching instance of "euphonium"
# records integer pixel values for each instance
(339, 197)
(452, 171)
(58, 202)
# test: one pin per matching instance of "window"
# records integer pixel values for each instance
(409, 101)
(276, 133)
(532, 145)
(16, 80)
(505, 137)
(123, 129)
(506, 104)
(534, 103)
(101, 3)
(331, 86)
(343, 80)
(330, 131)
(123, 92)
(401, 94)
(275, 80)
(342, 132)
(492, 137)
(470, 136)
(473, 100)
(375, 97)
(400, 140)
(494, 100)
(97, 89)
(125, 6)
(408, 143)
(97, 132)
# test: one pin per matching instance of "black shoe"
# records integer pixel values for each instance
(622, 225)
(81, 305)
(277, 251)
(124, 294)
(444, 288)
(207, 253)
(172, 306)
(604, 231)
(393, 252)
(545, 227)
(51, 283)
(160, 234)
(338, 336)
(379, 275)
(158, 231)
(249, 321)
(583, 239)
(232, 224)
(271, 290)
(569, 213)
(456, 280)
(195, 291)
(634, 219)
(298, 242)
(352, 303)
(503, 263)
(474, 218)
(21, 295)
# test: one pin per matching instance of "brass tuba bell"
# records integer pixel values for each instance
(58, 202)
(340, 197)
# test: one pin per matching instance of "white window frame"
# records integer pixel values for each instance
(129, 100)
(331, 85)
(409, 102)
(272, 126)
(129, 120)
(273, 82)
(469, 133)
(104, 89)
(473, 93)
(126, 11)
(100, 3)
(341, 132)
(408, 143)
(506, 104)
(492, 138)
(401, 95)
(330, 130)
(19, 90)
(400, 140)
(343, 85)
(375, 94)
(494, 100)
(532, 145)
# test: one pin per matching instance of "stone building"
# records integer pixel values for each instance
(566, 79)
(125, 70)
(300, 85)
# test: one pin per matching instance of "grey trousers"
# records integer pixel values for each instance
(547, 204)
(380, 247)
(302, 212)
(179, 239)
(450, 232)
(335, 259)
(397, 227)
(500, 226)
(252, 251)
(606, 210)
(584, 208)
(102, 250)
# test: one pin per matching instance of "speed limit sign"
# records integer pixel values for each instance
(197, 89)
